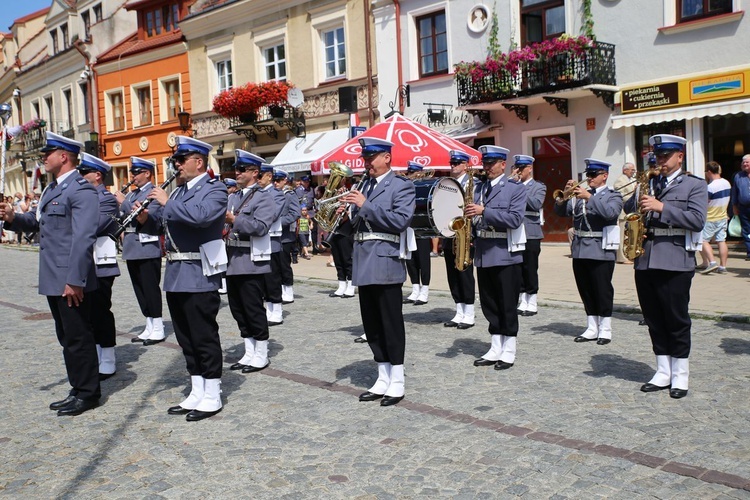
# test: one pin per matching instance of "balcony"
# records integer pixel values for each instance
(34, 139)
(590, 69)
(269, 120)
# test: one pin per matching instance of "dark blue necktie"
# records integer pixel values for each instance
(487, 190)
(660, 185)
(592, 191)
(373, 182)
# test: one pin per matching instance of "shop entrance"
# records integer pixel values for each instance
(552, 167)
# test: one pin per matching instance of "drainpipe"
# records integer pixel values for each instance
(397, 5)
(368, 49)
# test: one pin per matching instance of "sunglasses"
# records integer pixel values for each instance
(85, 171)
(244, 168)
(455, 163)
(594, 174)
(136, 172)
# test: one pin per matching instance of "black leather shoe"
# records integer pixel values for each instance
(287, 302)
(275, 323)
(407, 301)
(360, 340)
(135, 340)
(252, 369)
(520, 312)
(345, 296)
(677, 393)
(178, 410)
(369, 396)
(61, 404)
(528, 313)
(502, 365)
(76, 407)
(416, 303)
(105, 376)
(149, 342)
(196, 415)
(581, 338)
(238, 366)
(390, 400)
(334, 295)
(483, 362)
(464, 326)
(450, 324)
(603, 341)
(642, 322)
(648, 387)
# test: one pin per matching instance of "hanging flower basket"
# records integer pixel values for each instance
(247, 99)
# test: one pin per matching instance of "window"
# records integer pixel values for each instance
(97, 12)
(116, 121)
(541, 20)
(433, 44)
(83, 93)
(86, 20)
(49, 108)
(224, 75)
(35, 109)
(143, 111)
(170, 99)
(53, 36)
(68, 109)
(171, 17)
(275, 63)
(162, 20)
(64, 34)
(689, 10)
(334, 53)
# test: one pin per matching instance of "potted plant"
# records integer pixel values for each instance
(241, 102)
(273, 94)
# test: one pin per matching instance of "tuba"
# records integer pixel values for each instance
(325, 208)
(635, 225)
(462, 227)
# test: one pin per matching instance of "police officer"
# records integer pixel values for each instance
(381, 212)
(93, 170)
(193, 219)
(66, 266)
(342, 245)
(675, 216)
(274, 307)
(290, 214)
(249, 252)
(231, 186)
(419, 266)
(532, 223)
(141, 250)
(499, 202)
(461, 283)
(595, 242)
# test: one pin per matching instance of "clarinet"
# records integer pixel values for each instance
(126, 187)
(327, 242)
(136, 212)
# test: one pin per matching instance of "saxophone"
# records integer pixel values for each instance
(635, 224)
(462, 228)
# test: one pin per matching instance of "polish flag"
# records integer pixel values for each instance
(354, 120)
(36, 176)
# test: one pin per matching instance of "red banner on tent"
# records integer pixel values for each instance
(412, 142)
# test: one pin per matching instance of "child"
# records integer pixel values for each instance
(304, 227)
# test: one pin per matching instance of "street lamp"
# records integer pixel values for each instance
(184, 118)
(5, 112)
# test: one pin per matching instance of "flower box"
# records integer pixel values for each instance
(248, 98)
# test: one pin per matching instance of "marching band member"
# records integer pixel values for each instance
(342, 245)
(193, 222)
(141, 251)
(676, 214)
(380, 213)
(93, 170)
(532, 223)
(66, 220)
(274, 308)
(461, 283)
(289, 216)
(500, 202)
(418, 267)
(249, 253)
(594, 249)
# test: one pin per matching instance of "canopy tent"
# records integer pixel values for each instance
(412, 142)
(299, 153)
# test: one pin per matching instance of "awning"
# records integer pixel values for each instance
(684, 113)
(299, 153)
(464, 133)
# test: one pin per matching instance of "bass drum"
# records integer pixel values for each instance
(439, 201)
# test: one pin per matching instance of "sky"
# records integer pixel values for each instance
(13, 9)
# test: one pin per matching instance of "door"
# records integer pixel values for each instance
(552, 167)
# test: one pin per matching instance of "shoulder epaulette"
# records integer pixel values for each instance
(212, 181)
(82, 181)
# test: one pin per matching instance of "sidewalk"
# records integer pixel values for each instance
(712, 296)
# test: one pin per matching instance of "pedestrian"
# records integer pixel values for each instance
(595, 242)
(741, 200)
(381, 213)
(94, 170)
(500, 203)
(67, 220)
(193, 221)
(676, 214)
(141, 250)
(304, 225)
(719, 193)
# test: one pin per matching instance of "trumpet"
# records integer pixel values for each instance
(515, 173)
(561, 195)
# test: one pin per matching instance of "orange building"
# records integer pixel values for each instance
(142, 86)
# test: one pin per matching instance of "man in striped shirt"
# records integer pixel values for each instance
(719, 192)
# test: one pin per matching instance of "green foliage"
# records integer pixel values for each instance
(587, 29)
(494, 49)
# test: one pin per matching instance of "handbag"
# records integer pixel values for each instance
(735, 228)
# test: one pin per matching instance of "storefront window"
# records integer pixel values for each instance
(727, 139)
(642, 134)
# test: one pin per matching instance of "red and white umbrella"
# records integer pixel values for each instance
(412, 142)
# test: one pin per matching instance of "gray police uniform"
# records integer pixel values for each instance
(289, 216)
(498, 268)
(191, 218)
(663, 274)
(536, 192)
(66, 257)
(378, 270)
(461, 283)
(102, 319)
(273, 278)
(593, 266)
(143, 259)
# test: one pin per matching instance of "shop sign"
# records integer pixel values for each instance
(454, 119)
(685, 92)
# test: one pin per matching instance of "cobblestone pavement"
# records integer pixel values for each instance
(567, 421)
